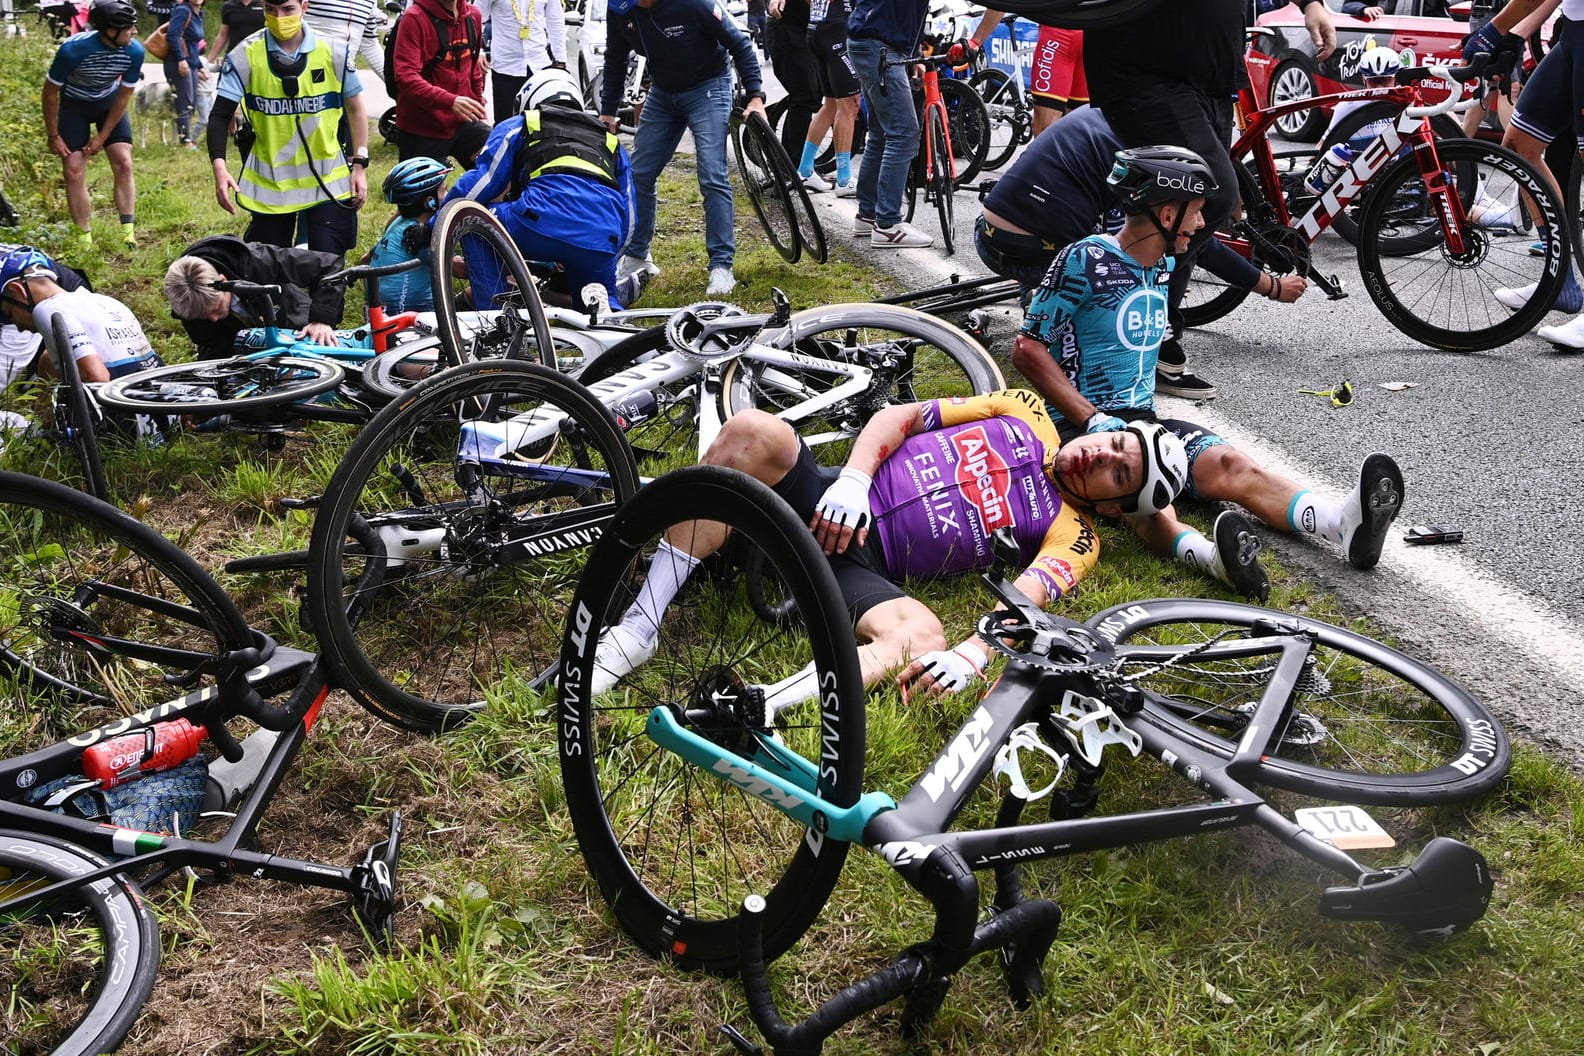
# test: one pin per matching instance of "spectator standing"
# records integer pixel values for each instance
(838, 83)
(239, 20)
(525, 36)
(184, 66)
(90, 83)
(213, 318)
(439, 58)
(688, 44)
(294, 90)
(879, 31)
(787, 44)
(1169, 76)
(354, 24)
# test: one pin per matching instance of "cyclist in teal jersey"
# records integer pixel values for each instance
(1089, 345)
(90, 82)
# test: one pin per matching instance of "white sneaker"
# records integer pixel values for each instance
(632, 265)
(848, 189)
(1495, 213)
(618, 655)
(815, 182)
(863, 227)
(901, 236)
(1569, 335)
(722, 282)
(1370, 510)
(1516, 297)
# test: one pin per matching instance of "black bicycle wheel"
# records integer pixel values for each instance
(805, 221)
(1447, 298)
(77, 577)
(485, 486)
(79, 965)
(1366, 725)
(1409, 214)
(1079, 14)
(754, 145)
(673, 848)
(1210, 297)
(81, 424)
(391, 375)
(914, 357)
(222, 386)
(487, 303)
(1010, 123)
(969, 124)
(941, 186)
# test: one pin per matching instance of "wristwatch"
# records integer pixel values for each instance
(756, 95)
(360, 160)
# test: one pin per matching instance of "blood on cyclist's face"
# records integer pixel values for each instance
(1100, 468)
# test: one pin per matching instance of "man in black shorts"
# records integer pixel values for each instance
(838, 82)
(1168, 77)
(920, 495)
(787, 44)
(90, 83)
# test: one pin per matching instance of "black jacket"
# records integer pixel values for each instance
(297, 271)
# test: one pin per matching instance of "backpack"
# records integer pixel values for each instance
(442, 33)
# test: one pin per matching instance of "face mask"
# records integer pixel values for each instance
(283, 28)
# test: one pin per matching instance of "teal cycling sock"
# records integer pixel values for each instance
(844, 167)
(806, 166)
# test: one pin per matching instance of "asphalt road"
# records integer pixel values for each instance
(1489, 442)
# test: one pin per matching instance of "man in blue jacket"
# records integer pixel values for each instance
(688, 44)
(562, 186)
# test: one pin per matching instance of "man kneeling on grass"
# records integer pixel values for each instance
(922, 492)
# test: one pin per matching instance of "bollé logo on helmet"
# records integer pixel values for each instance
(1194, 185)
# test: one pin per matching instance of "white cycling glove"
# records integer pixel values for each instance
(846, 502)
(955, 669)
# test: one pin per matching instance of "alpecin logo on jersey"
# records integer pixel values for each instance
(981, 474)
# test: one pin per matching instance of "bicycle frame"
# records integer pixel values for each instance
(911, 834)
(1411, 130)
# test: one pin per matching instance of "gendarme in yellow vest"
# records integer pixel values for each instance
(296, 134)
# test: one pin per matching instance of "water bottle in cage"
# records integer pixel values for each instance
(635, 409)
(1328, 168)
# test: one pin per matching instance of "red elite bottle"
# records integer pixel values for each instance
(163, 746)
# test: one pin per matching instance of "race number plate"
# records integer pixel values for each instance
(1346, 828)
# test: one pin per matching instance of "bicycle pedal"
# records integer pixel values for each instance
(375, 879)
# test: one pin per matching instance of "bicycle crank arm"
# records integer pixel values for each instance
(1331, 284)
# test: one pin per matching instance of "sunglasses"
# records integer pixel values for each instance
(1340, 396)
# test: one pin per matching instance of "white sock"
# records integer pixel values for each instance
(667, 572)
(1195, 549)
(1317, 515)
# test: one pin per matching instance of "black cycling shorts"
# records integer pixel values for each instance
(76, 115)
(861, 571)
(837, 78)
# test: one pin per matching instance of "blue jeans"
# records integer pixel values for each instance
(703, 110)
(893, 139)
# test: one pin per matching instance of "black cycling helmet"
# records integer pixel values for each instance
(112, 14)
(1149, 176)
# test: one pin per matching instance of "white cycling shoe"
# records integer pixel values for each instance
(1516, 297)
(620, 652)
(1568, 335)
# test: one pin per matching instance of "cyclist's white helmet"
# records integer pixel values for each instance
(1165, 470)
(1379, 62)
(550, 88)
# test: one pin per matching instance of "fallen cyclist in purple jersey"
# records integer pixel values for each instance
(924, 489)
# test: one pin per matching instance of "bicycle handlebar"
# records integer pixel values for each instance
(922, 60)
(245, 287)
(369, 271)
(1455, 74)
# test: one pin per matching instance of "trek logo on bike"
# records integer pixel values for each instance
(982, 474)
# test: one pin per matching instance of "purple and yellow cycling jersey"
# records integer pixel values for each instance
(980, 464)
